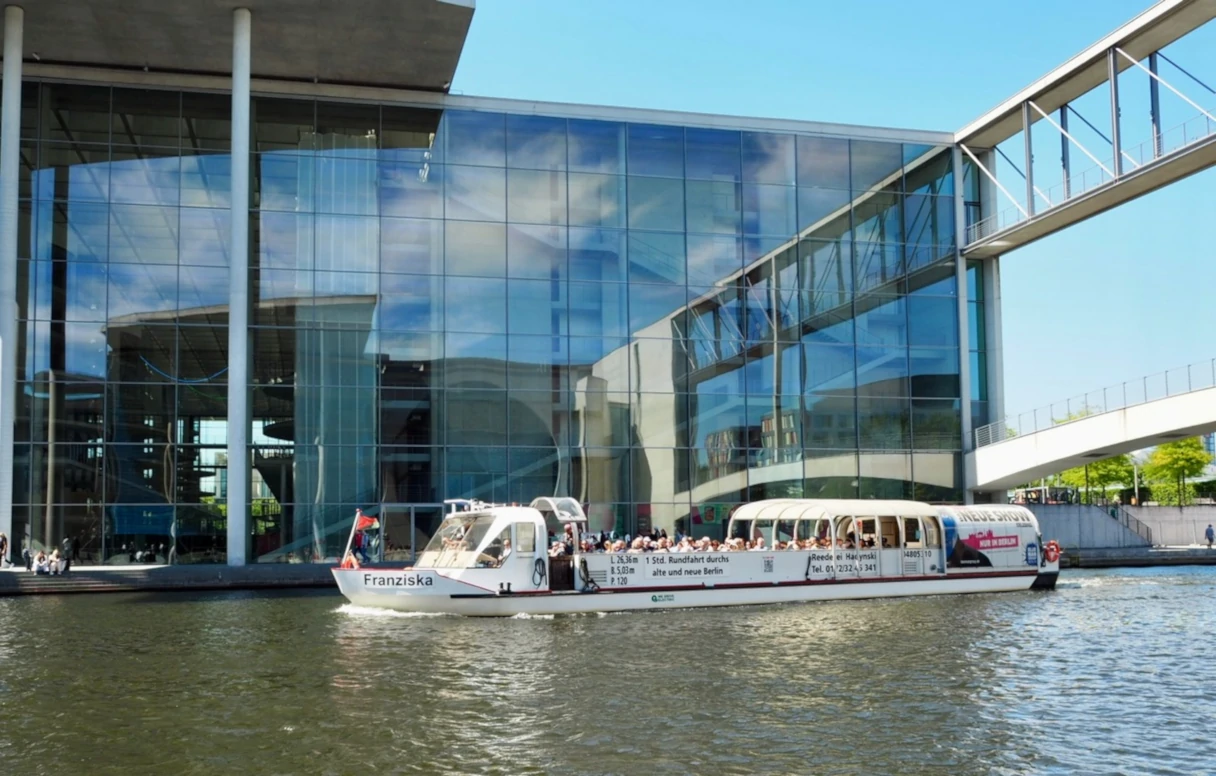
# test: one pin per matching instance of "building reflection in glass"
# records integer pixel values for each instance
(661, 321)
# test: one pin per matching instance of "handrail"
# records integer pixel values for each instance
(1132, 523)
(1160, 385)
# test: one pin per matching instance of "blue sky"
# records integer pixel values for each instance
(1120, 296)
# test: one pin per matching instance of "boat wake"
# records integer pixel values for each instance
(372, 611)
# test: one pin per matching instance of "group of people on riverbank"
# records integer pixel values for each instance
(38, 561)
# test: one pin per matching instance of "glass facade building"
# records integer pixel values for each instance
(661, 320)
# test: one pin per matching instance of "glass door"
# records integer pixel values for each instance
(405, 530)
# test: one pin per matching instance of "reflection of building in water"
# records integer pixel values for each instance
(663, 315)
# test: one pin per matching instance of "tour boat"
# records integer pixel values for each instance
(494, 560)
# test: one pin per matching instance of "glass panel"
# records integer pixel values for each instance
(409, 245)
(206, 235)
(283, 125)
(884, 424)
(712, 154)
(977, 336)
(770, 371)
(411, 303)
(141, 289)
(656, 150)
(936, 425)
(596, 146)
(283, 240)
(476, 305)
(979, 376)
(598, 254)
(411, 474)
(830, 420)
(143, 234)
(933, 177)
(536, 307)
(882, 321)
(476, 194)
(823, 162)
(882, 371)
(146, 117)
(475, 249)
(885, 476)
(475, 138)
(475, 417)
(713, 258)
(656, 203)
(284, 181)
(829, 368)
(830, 474)
(933, 321)
(938, 478)
(536, 197)
(713, 207)
(597, 200)
(200, 287)
(768, 158)
(876, 165)
(598, 309)
(934, 372)
(79, 114)
(145, 177)
(409, 188)
(410, 134)
(824, 211)
(475, 360)
(649, 304)
(73, 172)
(656, 258)
(206, 121)
(347, 244)
(536, 252)
(769, 210)
(536, 142)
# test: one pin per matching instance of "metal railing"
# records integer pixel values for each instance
(1129, 521)
(1161, 385)
(1154, 149)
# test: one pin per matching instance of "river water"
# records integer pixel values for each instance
(1111, 673)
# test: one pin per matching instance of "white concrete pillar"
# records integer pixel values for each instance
(238, 297)
(10, 160)
(964, 327)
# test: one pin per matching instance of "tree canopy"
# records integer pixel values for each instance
(1172, 464)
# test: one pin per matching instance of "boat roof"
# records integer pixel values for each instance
(810, 509)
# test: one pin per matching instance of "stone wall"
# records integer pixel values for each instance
(1084, 527)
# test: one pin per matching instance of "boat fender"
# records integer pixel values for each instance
(588, 582)
(539, 572)
(1051, 551)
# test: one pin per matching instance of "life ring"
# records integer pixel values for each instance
(1051, 552)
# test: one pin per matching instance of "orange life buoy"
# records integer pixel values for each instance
(1051, 552)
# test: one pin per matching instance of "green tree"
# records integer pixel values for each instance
(1172, 464)
(1100, 475)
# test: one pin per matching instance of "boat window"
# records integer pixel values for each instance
(525, 538)
(455, 544)
(868, 526)
(912, 532)
(762, 529)
(888, 532)
(495, 551)
(932, 537)
(846, 531)
(785, 530)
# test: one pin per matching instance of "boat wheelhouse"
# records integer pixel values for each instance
(498, 560)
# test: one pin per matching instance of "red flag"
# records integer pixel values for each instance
(363, 522)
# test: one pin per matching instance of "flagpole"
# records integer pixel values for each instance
(354, 526)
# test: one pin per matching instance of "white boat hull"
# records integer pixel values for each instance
(376, 588)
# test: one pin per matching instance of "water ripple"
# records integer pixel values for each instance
(1106, 675)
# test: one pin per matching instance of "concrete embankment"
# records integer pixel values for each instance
(114, 579)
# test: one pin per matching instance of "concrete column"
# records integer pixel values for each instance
(10, 160)
(992, 323)
(238, 297)
(964, 329)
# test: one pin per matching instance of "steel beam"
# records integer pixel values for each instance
(1065, 152)
(1112, 70)
(1029, 158)
(1154, 93)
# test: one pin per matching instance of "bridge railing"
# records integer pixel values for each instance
(1169, 141)
(1160, 385)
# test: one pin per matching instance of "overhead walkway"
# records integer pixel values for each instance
(1119, 419)
(1091, 179)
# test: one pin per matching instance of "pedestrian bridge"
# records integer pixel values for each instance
(1119, 419)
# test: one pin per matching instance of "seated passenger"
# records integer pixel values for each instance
(759, 544)
(638, 546)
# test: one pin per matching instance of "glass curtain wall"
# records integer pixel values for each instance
(123, 290)
(661, 321)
